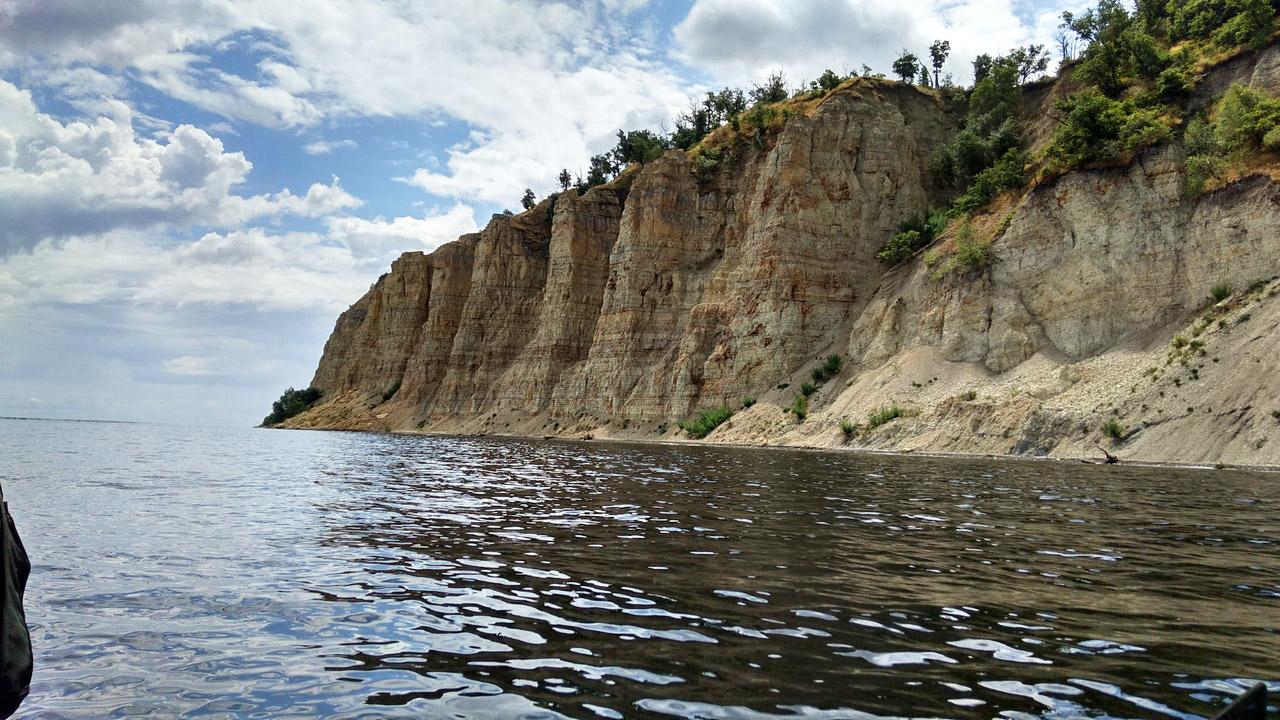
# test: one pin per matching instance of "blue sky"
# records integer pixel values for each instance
(192, 190)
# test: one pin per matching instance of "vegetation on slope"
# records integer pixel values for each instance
(291, 402)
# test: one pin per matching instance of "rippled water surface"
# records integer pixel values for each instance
(247, 573)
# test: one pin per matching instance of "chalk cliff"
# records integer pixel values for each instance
(676, 289)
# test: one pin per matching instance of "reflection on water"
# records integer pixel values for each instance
(238, 573)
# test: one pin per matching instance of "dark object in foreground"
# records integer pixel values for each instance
(1110, 459)
(1250, 706)
(15, 641)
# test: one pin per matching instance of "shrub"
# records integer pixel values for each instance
(884, 414)
(706, 422)
(1097, 129)
(968, 396)
(747, 402)
(1220, 292)
(1275, 414)
(291, 402)
(1200, 169)
(848, 427)
(391, 391)
(828, 369)
(973, 254)
(832, 365)
(800, 406)
(911, 236)
(808, 389)
(1244, 118)
(901, 246)
(1113, 429)
(1008, 173)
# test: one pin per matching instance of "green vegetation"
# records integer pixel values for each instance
(807, 389)
(1220, 292)
(885, 414)
(706, 422)
(968, 396)
(984, 158)
(1113, 429)
(748, 401)
(1243, 123)
(800, 406)
(827, 370)
(291, 402)
(1096, 129)
(848, 427)
(391, 391)
(906, 67)
(1275, 414)
(971, 253)
(912, 235)
(1008, 173)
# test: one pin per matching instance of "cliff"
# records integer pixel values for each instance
(676, 289)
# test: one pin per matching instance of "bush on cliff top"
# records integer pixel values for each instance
(291, 402)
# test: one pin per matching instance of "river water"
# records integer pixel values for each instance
(195, 572)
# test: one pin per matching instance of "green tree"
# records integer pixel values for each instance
(938, 53)
(601, 171)
(638, 146)
(905, 66)
(1118, 48)
(829, 80)
(1030, 60)
(529, 199)
(982, 67)
(291, 402)
(565, 179)
(773, 90)
(1097, 129)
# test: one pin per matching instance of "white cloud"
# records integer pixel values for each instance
(740, 40)
(84, 177)
(547, 84)
(324, 147)
(379, 238)
(190, 365)
(112, 34)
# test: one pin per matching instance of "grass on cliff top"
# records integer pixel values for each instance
(762, 123)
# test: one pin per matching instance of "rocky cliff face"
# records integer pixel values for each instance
(671, 291)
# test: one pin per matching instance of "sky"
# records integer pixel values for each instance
(191, 191)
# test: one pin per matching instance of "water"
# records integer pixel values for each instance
(186, 572)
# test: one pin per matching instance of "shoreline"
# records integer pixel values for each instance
(588, 438)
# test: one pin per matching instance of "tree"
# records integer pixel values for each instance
(982, 67)
(938, 52)
(725, 104)
(566, 180)
(601, 171)
(529, 199)
(905, 66)
(1029, 60)
(1117, 47)
(640, 146)
(828, 80)
(773, 90)
(291, 403)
